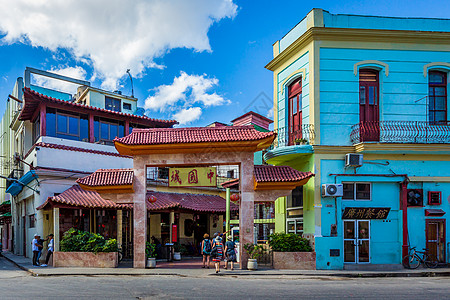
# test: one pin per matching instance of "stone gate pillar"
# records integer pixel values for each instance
(139, 212)
(246, 207)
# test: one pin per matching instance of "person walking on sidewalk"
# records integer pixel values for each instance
(217, 253)
(230, 253)
(37, 248)
(51, 246)
(206, 250)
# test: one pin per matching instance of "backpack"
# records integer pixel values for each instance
(207, 246)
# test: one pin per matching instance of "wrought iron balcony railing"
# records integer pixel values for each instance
(415, 132)
(299, 135)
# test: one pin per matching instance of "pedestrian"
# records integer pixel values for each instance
(36, 247)
(51, 247)
(41, 247)
(230, 253)
(206, 250)
(217, 252)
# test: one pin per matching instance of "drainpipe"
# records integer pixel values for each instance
(227, 213)
(404, 206)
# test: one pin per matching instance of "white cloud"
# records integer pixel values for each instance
(185, 90)
(187, 115)
(113, 35)
(59, 85)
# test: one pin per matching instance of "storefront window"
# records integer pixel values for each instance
(106, 223)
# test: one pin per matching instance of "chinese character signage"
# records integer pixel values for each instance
(377, 213)
(195, 176)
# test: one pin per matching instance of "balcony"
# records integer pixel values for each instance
(302, 135)
(406, 132)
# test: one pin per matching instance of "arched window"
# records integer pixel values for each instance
(437, 94)
(295, 111)
(369, 112)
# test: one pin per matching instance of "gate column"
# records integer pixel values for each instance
(139, 212)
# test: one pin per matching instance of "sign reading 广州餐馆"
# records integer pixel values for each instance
(194, 176)
(366, 213)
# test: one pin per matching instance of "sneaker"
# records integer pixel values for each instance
(43, 265)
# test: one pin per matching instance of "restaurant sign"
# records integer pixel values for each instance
(377, 213)
(194, 176)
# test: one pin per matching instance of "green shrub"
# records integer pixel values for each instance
(254, 251)
(288, 242)
(75, 240)
(150, 250)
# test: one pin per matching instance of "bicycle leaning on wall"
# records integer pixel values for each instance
(413, 260)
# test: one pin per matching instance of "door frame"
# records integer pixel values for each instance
(356, 242)
(428, 221)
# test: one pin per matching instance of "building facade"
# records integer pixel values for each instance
(375, 87)
(53, 138)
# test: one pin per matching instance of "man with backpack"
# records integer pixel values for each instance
(206, 249)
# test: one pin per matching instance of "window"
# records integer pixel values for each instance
(127, 106)
(356, 191)
(294, 203)
(112, 104)
(36, 129)
(434, 198)
(31, 221)
(230, 174)
(437, 94)
(265, 210)
(106, 130)
(295, 111)
(67, 125)
(163, 173)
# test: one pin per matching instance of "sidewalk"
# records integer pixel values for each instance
(192, 268)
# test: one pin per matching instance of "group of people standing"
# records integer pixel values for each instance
(217, 250)
(37, 245)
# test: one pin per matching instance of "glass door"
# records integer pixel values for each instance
(363, 244)
(357, 241)
(349, 242)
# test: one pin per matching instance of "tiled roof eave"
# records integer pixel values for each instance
(31, 93)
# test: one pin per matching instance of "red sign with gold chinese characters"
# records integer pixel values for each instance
(367, 213)
(195, 176)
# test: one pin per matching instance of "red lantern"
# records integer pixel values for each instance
(234, 197)
(152, 199)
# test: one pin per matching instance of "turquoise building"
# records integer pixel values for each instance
(362, 102)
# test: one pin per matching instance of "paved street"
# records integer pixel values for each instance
(15, 284)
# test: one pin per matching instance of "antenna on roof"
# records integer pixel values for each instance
(131, 79)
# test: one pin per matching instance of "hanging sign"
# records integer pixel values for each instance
(194, 176)
(174, 233)
(366, 213)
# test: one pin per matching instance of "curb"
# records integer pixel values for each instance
(347, 275)
(20, 266)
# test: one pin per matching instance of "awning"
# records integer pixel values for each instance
(434, 212)
(16, 187)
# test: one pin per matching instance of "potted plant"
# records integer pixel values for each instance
(301, 141)
(178, 249)
(150, 252)
(254, 251)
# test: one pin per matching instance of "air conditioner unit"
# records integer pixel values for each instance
(353, 160)
(332, 190)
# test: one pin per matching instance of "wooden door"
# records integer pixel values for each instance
(295, 111)
(435, 237)
(369, 113)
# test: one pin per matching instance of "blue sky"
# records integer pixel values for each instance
(201, 65)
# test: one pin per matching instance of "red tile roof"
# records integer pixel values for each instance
(233, 183)
(195, 202)
(106, 177)
(76, 196)
(70, 148)
(157, 136)
(279, 174)
(32, 99)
